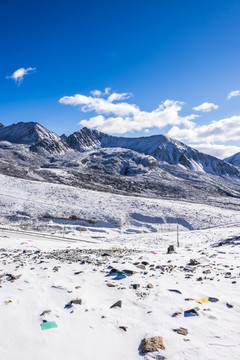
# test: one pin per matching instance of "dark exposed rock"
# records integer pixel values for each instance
(181, 331)
(123, 328)
(135, 286)
(76, 301)
(176, 313)
(171, 249)
(194, 262)
(117, 304)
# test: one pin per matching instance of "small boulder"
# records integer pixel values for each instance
(142, 267)
(176, 313)
(193, 262)
(76, 301)
(110, 285)
(181, 331)
(152, 344)
(150, 286)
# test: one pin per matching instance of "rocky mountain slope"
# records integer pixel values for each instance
(162, 148)
(152, 166)
(234, 159)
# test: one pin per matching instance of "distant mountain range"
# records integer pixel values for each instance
(89, 158)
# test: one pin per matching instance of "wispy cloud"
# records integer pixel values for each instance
(233, 94)
(206, 107)
(19, 74)
(100, 93)
(117, 116)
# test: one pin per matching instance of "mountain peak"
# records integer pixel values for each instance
(26, 133)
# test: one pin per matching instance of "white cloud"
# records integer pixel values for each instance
(206, 107)
(18, 75)
(99, 93)
(233, 94)
(224, 130)
(117, 97)
(115, 115)
(96, 93)
(220, 151)
(121, 117)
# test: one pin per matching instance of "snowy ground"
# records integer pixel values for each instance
(49, 207)
(64, 242)
(91, 331)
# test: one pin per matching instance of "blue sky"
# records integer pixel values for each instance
(161, 60)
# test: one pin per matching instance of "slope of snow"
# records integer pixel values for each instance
(52, 206)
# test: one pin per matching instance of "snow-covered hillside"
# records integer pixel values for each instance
(41, 205)
(234, 159)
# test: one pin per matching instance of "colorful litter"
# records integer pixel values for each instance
(48, 325)
(203, 301)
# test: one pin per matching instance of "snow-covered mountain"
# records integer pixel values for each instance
(162, 148)
(234, 159)
(26, 133)
(154, 166)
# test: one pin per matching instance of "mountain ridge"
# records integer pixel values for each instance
(150, 166)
